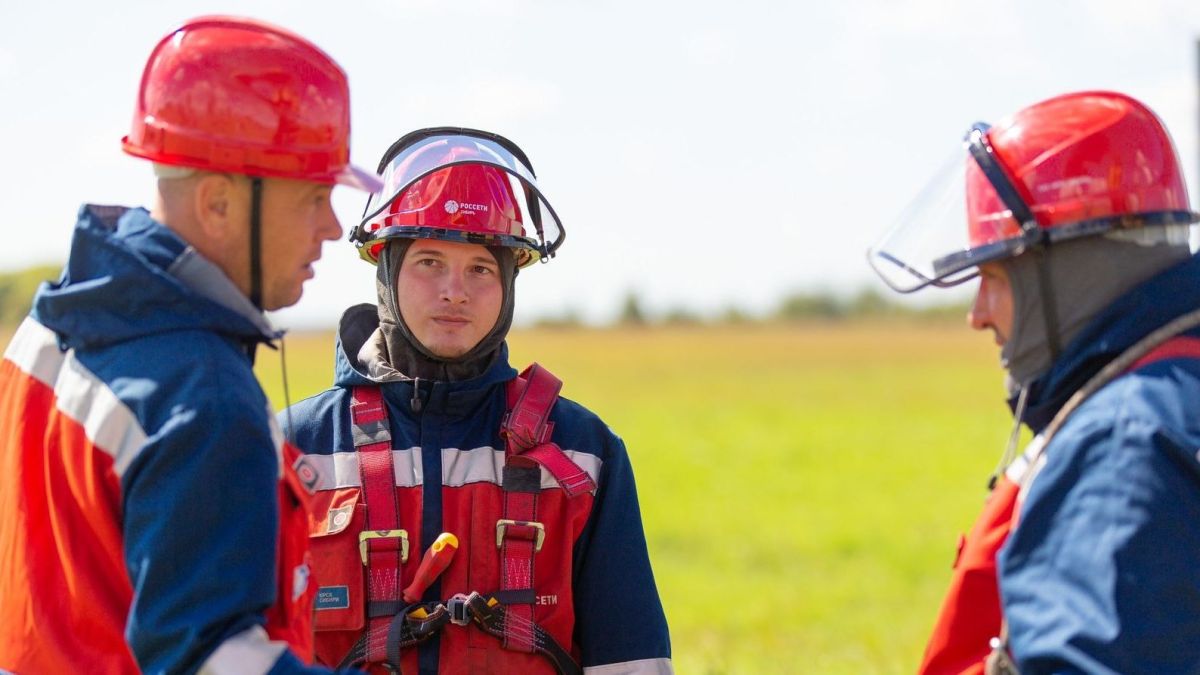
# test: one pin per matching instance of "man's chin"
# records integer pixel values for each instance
(272, 304)
(448, 352)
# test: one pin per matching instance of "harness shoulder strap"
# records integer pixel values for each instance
(383, 545)
(519, 535)
(531, 396)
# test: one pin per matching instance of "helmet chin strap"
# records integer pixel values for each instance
(256, 284)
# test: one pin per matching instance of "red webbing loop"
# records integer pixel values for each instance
(383, 544)
(530, 397)
(527, 429)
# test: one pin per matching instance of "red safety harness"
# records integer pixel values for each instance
(507, 613)
(971, 613)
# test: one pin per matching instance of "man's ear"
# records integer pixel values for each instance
(215, 205)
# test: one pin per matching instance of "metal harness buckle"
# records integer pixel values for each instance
(460, 611)
(503, 524)
(367, 535)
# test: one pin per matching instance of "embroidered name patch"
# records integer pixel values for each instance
(333, 597)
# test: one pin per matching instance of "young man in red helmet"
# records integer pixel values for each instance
(150, 517)
(1085, 558)
(469, 520)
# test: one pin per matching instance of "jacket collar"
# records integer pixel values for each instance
(120, 283)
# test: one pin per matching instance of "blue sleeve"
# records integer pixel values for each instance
(1102, 574)
(200, 526)
(618, 615)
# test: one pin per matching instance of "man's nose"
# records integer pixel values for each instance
(332, 229)
(978, 317)
(453, 288)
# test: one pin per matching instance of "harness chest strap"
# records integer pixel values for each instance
(383, 546)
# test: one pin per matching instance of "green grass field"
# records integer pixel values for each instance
(802, 488)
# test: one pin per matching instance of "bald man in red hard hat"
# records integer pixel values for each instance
(151, 519)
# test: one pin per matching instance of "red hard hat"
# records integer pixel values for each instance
(1074, 159)
(456, 184)
(241, 96)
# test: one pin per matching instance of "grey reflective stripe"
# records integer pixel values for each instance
(340, 469)
(486, 465)
(459, 467)
(640, 667)
(370, 433)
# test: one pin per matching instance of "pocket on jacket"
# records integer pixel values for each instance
(338, 517)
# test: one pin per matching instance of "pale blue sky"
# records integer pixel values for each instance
(703, 153)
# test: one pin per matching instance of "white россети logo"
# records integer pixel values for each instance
(451, 206)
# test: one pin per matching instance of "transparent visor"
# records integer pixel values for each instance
(930, 243)
(437, 152)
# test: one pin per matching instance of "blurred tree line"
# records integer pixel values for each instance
(17, 288)
(797, 307)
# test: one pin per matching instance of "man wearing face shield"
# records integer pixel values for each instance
(1085, 556)
(466, 519)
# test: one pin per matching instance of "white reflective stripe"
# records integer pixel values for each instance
(34, 349)
(459, 467)
(108, 423)
(486, 465)
(247, 652)
(642, 667)
(481, 465)
(340, 469)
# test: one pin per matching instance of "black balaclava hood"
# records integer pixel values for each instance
(1086, 275)
(393, 352)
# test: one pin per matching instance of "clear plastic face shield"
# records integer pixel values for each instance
(420, 154)
(969, 213)
(972, 213)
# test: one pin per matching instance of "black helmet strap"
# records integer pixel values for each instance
(256, 280)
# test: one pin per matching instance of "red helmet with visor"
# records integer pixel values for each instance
(458, 185)
(1077, 165)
